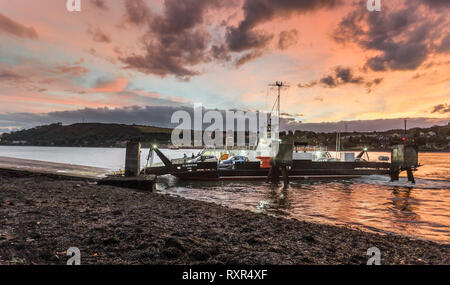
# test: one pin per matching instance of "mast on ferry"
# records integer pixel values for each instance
(279, 85)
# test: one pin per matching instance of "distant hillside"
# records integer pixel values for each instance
(89, 134)
(436, 138)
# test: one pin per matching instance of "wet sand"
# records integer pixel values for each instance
(42, 215)
(52, 168)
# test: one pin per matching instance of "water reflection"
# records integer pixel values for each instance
(279, 196)
(401, 201)
(368, 204)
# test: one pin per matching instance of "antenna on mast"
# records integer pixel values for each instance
(279, 85)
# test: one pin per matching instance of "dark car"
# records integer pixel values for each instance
(232, 161)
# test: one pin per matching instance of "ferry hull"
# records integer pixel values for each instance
(299, 170)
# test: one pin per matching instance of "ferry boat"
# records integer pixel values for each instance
(259, 162)
(305, 165)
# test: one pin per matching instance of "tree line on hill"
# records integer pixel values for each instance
(116, 135)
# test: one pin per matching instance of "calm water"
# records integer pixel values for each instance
(370, 203)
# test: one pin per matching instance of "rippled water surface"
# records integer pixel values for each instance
(370, 203)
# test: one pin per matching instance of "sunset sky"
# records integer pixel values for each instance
(341, 61)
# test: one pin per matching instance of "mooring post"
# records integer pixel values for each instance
(395, 173)
(269, 175)
(282, 159)
(133, 158)
(285, 175)
(410, 175)
(404, 157)
(274, 174)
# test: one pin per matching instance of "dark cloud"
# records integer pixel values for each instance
(137, 12)
(220, 52)
(244, 40)
(176, 41)
(371, 84)
(257, 12)
(149, 115)
(441, 109)
(172, 55)
(402, 36)
(436, 4)
(328, 81)
(445, 44)
(100, 4)
(9, 26)
(376, 81)
(159, 116)
(287, 39)
(248, 57)
(180, 16)
(341, 76)
(98, 35)
(244, 37)
(345, 75)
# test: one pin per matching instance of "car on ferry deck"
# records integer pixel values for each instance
(232, 161)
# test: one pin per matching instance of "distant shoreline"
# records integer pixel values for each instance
(431, 139)
(331, 150)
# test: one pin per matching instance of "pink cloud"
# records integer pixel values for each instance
(9, 26)
(114, 86)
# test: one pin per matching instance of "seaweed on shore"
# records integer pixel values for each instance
(42, 216)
